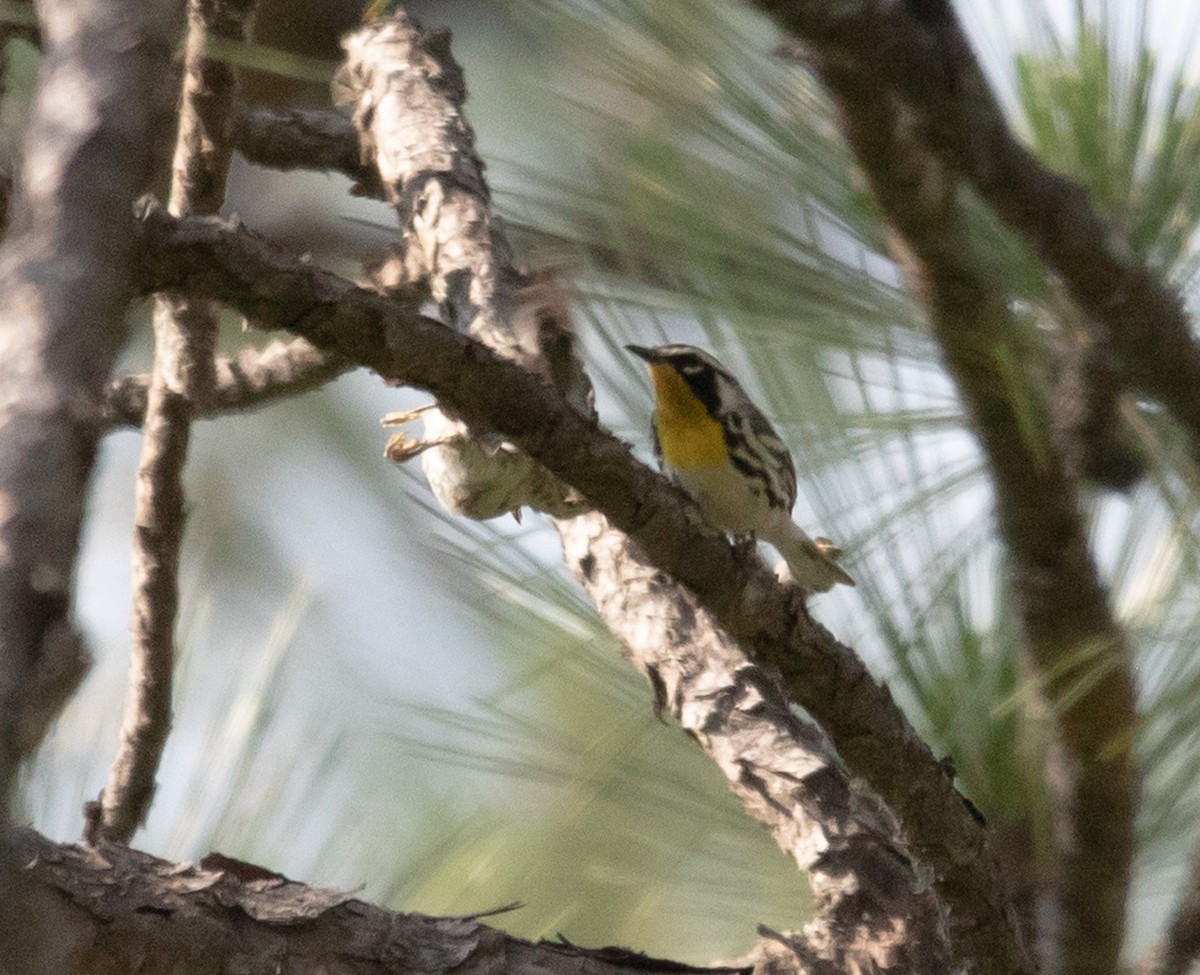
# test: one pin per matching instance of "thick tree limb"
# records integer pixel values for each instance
(185, 337)
(767, 619)
(916, 50)
(407, 94)
(873, 913)
(252, 378)
(1080, 653)
(115, 910)
(64, 277)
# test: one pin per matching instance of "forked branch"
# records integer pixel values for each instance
(767, 620)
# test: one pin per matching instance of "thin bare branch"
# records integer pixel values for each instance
(872, 909)
(918, 52)
(768, 619)
(116, 910)
(253, 378)
(1080, 653)
(185, 336)
(407, 94)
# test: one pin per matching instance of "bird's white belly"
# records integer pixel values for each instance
(731, 501)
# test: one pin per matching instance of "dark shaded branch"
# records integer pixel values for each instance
(116, 910)
(253, 378)
(301, 138)
(1080, 653)
(185, 337)
(918, 51)
(871, 908)
(407, 95)
(1180, 946)
(767, 619)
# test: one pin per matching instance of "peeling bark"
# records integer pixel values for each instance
(874, 913)
(407, 93)
(767, 619)
(115, 910)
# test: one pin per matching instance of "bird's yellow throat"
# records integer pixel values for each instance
(687, 435)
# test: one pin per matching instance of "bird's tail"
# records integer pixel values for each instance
(812, 562)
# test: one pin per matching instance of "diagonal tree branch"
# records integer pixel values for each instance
(185, 337)
(407, 94)
(1086, 406)
(767, 619)
(916, 49)
(116, 911)
(872, 910)
(1079, 651)
(252, 378)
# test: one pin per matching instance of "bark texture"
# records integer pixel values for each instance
(185, 338)
(874, 912)
(252, 378)
(298, 138)
(1081, 655)
(767, 619)
(407, 93)
(65, 278)
(115, 910)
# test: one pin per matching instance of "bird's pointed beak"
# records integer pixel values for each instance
(643, 353)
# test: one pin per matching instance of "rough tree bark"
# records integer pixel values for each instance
(116, 911)
(185, 338)
(873, 911)
(767, 619)
(406, 93)
(1080, 653)
(65, 278)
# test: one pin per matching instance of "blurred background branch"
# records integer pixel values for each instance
(252, 378)
(185, 338)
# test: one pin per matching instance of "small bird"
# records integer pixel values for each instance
(716, 445)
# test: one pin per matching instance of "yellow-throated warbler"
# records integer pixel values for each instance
(716, 445)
